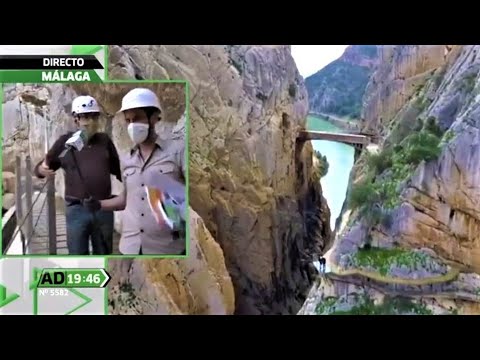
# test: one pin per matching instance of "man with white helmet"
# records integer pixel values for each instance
(87, 172)
(150, 156)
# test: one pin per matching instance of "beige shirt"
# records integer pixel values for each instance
(139, 228)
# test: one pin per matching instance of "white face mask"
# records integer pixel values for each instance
(138, 132)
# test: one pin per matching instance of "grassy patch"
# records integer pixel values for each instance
(432, 127)
(361, 194)
(449, 135)
(419, 147)
(366, 306)
(383, 260)
(326, 306)
(468, 82)
(421, 103)
(379, 162)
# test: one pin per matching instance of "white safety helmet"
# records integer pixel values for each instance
(84, 104)
(139, 98)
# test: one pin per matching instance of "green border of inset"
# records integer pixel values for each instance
(187, 174)
(105, 289)
(1, 166)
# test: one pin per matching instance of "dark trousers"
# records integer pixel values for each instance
(83, 225)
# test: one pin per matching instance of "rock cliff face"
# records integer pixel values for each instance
(441, 201)
(199, 285)
(25, 113)
(422, 190)
(249, 179)
(25, 119)
(402, 72)
(338, 88)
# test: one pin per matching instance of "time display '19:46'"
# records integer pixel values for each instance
(74, 278)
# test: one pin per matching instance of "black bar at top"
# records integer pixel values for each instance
(35, 62)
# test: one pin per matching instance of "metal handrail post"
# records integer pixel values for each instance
(51, 217)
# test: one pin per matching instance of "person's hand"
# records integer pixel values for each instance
(45, 170)
(92, 204)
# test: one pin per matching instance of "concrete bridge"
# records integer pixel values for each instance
(357, 140)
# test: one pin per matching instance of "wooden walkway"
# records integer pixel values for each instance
(39, 243)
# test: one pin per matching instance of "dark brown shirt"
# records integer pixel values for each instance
(97, 160)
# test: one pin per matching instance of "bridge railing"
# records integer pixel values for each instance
(22, 218)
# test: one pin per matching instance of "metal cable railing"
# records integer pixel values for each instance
(37, 229)
(26, 216)
(40, 213)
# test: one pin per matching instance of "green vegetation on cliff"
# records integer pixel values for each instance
(383, 260)
(321, 168)
(364, 305)
(390, 306)
(390, 168)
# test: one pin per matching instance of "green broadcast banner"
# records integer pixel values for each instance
(23, 64)
(75, 278)
(40, 76)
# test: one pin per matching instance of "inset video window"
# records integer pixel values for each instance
(95, 169)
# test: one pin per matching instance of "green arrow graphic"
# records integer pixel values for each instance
(33, 286)
(83, 296)
(4, 299)
(36, 272)
(85, 49)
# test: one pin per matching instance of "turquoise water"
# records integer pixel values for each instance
(340, 158)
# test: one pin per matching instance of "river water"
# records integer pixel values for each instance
(340, 158)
